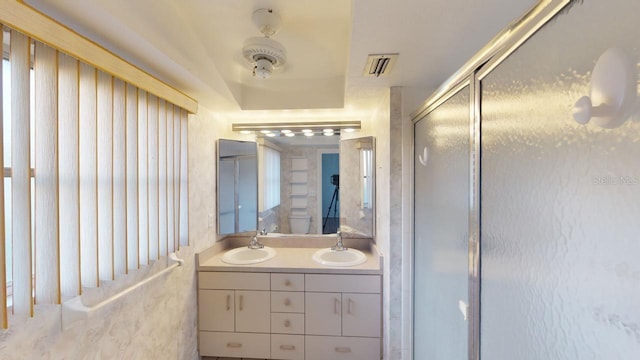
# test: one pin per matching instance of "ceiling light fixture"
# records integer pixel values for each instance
(264, 54)
(299, 126)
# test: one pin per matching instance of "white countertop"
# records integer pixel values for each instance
(289, 260)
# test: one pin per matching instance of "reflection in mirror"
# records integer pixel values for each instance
(304, 173)
(237, 186)
(313, 188)
(357, 174)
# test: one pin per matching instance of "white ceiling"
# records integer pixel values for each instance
(195, 46)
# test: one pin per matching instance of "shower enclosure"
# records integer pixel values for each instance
(525, 213)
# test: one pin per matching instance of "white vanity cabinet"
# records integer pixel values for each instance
(289, 316)
(342, 316)
(234, 314)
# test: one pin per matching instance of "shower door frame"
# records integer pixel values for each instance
(472, 74)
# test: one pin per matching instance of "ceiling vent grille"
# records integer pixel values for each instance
(379, 64)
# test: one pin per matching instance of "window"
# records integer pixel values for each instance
(95, 179)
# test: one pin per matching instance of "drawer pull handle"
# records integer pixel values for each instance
(287, 302)
(287, 347)
(287, 282)
(241, 305)
(349, 301)
(287, 323)
(343, 349)
(336, 305)
(228, 302)
(234, 345)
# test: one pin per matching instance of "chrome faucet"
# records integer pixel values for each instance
(339, 246)
(254, 243)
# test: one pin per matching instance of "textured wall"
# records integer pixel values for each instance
(141, 325)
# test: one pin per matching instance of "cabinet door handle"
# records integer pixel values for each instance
(228, 302)
(287, 302)
(287, 282)
(349, 301)
(234, 345)
(287, 323)
(287, 347)
(343, 349)
(336, 305)
(241, 302)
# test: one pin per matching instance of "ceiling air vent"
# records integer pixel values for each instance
(379, 64)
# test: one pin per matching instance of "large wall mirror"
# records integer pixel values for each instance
(311, 186)
(237, 186)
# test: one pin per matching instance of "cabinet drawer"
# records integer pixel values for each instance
(343, 283)
(233, 281)
(287, 302)
(285, 323)
(237, 345)
(340, 348)
(287, 347)
(287, 282)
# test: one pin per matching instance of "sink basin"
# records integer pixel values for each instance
(244, 255)
(350, 257)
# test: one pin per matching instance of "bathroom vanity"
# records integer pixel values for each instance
(290, 307)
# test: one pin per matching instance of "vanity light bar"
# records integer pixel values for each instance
(316, 126)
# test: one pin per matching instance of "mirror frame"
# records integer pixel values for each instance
(218, 187)
(356, 231)
(344, 212)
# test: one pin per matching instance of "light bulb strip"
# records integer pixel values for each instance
(315, 126)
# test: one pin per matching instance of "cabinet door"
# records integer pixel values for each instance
(323, 313)
(215, 309)
(361, 315)
(253, 311)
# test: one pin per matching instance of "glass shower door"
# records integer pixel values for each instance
(561, 200)
(441, 214)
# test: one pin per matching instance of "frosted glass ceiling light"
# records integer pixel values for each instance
(289, 134)
(308, 134)
(327, 130)
(328, 133)
(349, 130)
(285, 131)
(245, 132)
(306, 131)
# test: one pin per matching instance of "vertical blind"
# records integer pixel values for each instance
(95, 176)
